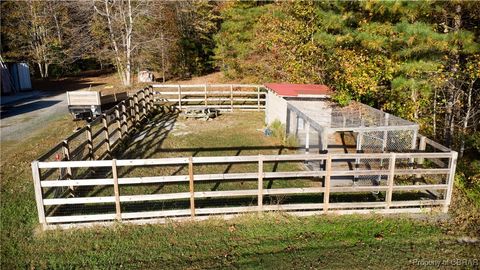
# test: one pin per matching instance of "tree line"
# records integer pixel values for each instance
(417, 59)
(63, 37)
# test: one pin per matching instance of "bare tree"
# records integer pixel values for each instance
(123, 19)
(471, 106)
(46, 32)
(43, 33)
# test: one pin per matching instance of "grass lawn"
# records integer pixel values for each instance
(235, 134)
(250, 241)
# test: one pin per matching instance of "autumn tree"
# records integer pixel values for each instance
(44, 32)
(119, 18)
(408, 58)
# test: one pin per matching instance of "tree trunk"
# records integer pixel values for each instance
(163, 59)
(46, 69)
(452, 85)
(40, 68)
(57, 26)
(118, 60)
(466, 119)
(435, 113)
(129, 29)
(128, 71)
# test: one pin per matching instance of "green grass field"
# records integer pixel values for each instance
(251, 241)
(236, 134)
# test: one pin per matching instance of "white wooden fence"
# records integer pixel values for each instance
(389, 205)
(90, 149)
(226, 97)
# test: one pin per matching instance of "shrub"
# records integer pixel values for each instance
(279, 131)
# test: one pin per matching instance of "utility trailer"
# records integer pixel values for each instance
(86, 105)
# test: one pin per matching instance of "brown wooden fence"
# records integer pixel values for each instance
(97, 139)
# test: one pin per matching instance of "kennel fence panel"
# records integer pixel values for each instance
(287, 194)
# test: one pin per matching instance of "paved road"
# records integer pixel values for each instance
(22, 117)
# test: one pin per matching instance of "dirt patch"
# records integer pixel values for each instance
(216, 77)
(107, 82)
(212, 78)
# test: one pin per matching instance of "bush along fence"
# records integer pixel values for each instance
(80, 183)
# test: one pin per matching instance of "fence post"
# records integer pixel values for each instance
(117, 119)
(390, 180)
(179, 88)
(359, 149)
(107, 134)
(152, 98)
(326, 192)
(307, 137)
(66, 153)
(451, 179)
(414, 146)
(231, 97)
(146, 98)
(414, 139)
(38, 194)
(90, 141)
(260, 183)
(137, 111)
(192, 193)
(384, 141)
(422, 146)
(131, 106)
(206, 103)
(324, 145)
(139, 104)
(116, 190)
(124, 119)
(385, 133)
(258, 98)
(144, 105)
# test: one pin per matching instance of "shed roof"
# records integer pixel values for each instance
(295, 90)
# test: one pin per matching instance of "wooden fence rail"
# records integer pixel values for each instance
(210, 96)
(104, 133)
(91, 147)
(388, 205)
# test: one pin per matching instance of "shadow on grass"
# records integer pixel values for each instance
(148, 141)
(245, 201)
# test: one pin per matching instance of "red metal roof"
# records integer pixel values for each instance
(294, 90)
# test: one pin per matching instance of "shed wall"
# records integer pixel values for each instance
(276, 109)
(24, 77)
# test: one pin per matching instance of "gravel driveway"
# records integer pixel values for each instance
(19, 119)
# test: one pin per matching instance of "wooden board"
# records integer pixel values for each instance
(83, 98)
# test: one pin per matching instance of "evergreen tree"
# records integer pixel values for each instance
(414, 59)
